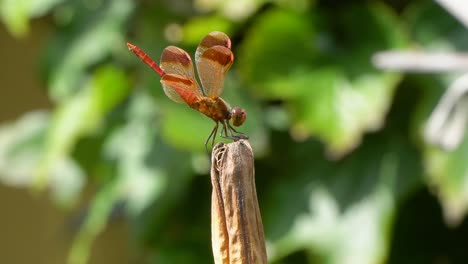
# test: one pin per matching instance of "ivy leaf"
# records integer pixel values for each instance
(197, 28)
(449, 174)
(338, 212)
(146, 173)
(16, 13)
(21, 147)
(326, 81)
(80, 116)
(436, 30)
(90, 37)
(264, 58)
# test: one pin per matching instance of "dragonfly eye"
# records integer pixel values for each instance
(238, 116)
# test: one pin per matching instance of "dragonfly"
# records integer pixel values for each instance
(213, 58)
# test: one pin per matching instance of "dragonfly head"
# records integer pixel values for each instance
(238, 116)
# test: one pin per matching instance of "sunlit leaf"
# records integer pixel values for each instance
(146, 173)
(130, 146)
(185, 128)
(81, 115)
(21, 148)
(233, 9)
(21, 144)
(85, 46)
(331, 93)
(17, 13)
(338, 212)
(239, 10)
(435, 30)
(196, 29)
(41, 7)
(15, 16)
(297, 5)
(449, 174)
(326, 231)
(338, 110)
(264, 58)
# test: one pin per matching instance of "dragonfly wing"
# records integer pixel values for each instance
(212, 66)
(215, 38)
(180, 89)
(208, 70)
(175, 60)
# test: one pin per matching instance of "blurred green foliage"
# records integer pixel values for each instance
(338, 143)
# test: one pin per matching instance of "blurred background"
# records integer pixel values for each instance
(97, 165)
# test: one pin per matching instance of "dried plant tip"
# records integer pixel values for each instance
(218, 152)
(237, 229)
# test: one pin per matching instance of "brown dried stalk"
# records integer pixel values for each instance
(236, 224)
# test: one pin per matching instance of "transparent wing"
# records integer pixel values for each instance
(215, 38)
(212, 66)
(208, 71)
(175, 60)
(180, 89)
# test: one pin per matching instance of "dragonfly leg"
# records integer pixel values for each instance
(239, 135)
(228, 132)
(225, 130)
(232, 129)
(221, 132)
(212, 134)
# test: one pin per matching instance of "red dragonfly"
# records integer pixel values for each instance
(213, 58)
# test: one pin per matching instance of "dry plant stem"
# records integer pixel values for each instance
(420, 61)
(236, 224)
(458, 9)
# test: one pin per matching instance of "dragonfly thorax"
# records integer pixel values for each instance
(214, 108)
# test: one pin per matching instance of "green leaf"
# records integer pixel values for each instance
(338, 110)
(435, 29)
(264, 57)
(184, 127)
(15, 16)
(235, 10)
(146, 173)
(297, 5)
(197, 28)
(95, 222)
(327, 82)
(91, 37)
(338, 212)
(21, 148)
(448, 171)
(130, 146)
(80, 116)
(21, 144)
(16, 13)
